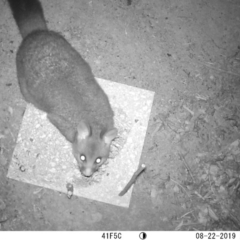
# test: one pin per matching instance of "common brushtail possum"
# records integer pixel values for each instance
(54, 77)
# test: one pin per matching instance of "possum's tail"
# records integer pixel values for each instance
(28, 15)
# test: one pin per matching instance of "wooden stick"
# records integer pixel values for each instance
(133, 179)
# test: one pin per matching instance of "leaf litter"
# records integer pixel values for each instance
(203, 173)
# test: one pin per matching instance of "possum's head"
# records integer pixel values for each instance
(91, 151)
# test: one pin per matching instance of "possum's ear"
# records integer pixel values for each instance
(109, 136)
(83, 131)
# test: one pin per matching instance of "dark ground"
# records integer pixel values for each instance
(188, 52)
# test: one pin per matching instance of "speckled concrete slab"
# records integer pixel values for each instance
(43, 157)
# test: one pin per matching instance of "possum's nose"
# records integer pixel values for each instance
(87, 172)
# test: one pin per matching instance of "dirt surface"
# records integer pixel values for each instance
(188, 52)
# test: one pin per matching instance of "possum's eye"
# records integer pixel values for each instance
(83, 157)
(98, 160)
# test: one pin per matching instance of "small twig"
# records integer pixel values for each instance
(186, 191)
(158, 127)
(178, 227)
(199, 195)
(199, 97)
(133, 179)
(186, 214)
(235, 220)
(221, 70)
(190, 111)
(186, 165)
(207, 195)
